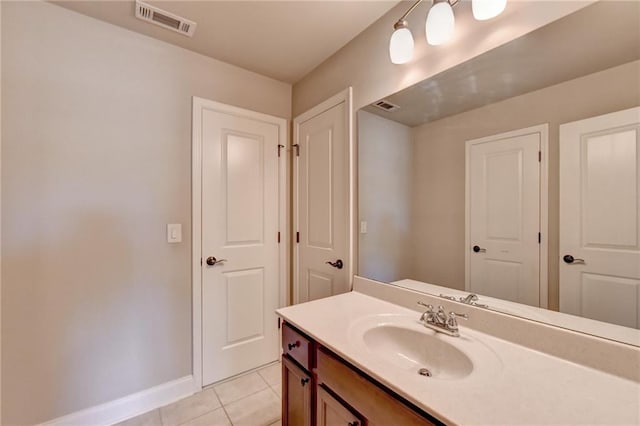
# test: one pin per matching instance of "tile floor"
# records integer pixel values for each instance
(249, 400)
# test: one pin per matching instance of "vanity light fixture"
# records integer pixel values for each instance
(440, 22)
(487, 9)
(401, 44)
(439, 26)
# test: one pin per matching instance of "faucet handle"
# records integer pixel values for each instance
(452, 322)
(429, 307)
(444, 296)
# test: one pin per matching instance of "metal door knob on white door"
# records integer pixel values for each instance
(337, 264)
(213, 261)
(572, 260)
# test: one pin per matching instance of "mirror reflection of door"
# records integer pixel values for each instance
(600, 216)
(503, 216)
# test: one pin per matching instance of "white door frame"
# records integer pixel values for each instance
(543, 131)
(345, 96)
(196, 215)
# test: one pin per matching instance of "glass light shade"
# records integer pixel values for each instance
(487, 9)
(440, 23)
(401, 46)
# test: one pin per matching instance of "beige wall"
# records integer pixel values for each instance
(439, 164)
(364, 62)
(96, 160)
(0, 214)
(384, 198)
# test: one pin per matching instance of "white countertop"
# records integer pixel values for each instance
(526, 387)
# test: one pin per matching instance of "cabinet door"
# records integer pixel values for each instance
(330, 412)
(296, 395)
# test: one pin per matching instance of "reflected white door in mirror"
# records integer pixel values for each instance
(504, 191)
(600, 216)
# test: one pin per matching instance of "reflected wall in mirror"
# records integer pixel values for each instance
(541, 135)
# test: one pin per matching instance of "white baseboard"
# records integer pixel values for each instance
(129, 406)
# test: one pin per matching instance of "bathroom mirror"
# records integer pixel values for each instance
(516, 176)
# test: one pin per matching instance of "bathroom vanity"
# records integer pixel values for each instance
(472, 195)
(360, 358)
(321, 388)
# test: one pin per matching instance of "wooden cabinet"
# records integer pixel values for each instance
(321, 389)
(297, 346)
(297, 395)
(331, 412)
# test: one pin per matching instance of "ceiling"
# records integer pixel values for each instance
(598, 37)
(284, 40)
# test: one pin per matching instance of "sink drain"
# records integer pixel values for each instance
(425, 372)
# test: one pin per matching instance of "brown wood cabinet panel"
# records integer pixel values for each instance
(376, 405)
(297, 394)
(297, 346)
(331, 412)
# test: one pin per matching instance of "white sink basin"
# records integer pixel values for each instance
(414, 349)
(403, 345)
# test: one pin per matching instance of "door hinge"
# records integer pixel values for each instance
(297, 147)
(539, 237)
(539, 156)
(200, 261)
(279, 148)
(297, 237)
(278, 237)
(279, 322)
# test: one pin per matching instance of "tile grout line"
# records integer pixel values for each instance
(227, 414)
(243, 374)
(224, 409)
(212, 388)
(245, 396)
(203, 414)
(274, 391)
(251, 394)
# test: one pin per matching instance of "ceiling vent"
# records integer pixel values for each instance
(164, 19)
(386, 105)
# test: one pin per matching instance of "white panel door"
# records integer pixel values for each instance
(322, 205)
(240, 268)
(600, 218)
(503, 188)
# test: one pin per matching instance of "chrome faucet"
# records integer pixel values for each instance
(469, 299)
(440, 321)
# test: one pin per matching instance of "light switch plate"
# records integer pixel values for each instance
(174, 233)
(363, 227)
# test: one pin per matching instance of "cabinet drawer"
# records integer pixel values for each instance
(297, 346)
(374, 403)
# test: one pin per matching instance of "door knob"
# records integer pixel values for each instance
(337, 264)
(570, 259)
(212, 260)
(478, 249)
